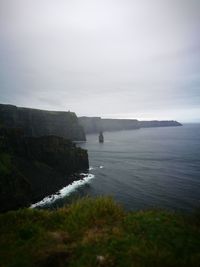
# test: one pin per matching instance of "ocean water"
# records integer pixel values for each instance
(149, 167)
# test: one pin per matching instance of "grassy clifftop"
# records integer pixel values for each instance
(98, 232)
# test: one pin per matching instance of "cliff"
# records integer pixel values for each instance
(33, 167)
(91, 124)
(146, 124)
(119, 124)
(97, 124)
(35, 122)
(98, 232)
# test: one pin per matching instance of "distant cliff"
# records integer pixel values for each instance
(119, 124)
(91, 124)
(146, 124)
(32, 168)
(97, 124)
(35, 122)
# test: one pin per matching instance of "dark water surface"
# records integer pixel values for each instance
(149, 167)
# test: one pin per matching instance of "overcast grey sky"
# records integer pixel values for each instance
(109, 58)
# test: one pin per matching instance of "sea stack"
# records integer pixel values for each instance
(101, 138)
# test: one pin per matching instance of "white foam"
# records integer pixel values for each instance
(95, 168)
(65, 191)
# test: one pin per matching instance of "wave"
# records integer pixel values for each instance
(65, 191)
(95, 168)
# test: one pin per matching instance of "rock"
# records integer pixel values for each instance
(101, 259)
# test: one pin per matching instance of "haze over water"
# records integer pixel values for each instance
(150, 167)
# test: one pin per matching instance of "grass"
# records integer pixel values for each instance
(98, 232)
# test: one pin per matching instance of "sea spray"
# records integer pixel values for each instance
(65, 191)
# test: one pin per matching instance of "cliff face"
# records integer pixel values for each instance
(91, 124)
(119, 124)
(96, 124)
(37, 123)
(146, 124)
(31, 168)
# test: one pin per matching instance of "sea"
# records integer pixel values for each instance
(140, 169)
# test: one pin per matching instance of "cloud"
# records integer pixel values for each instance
(102, 57)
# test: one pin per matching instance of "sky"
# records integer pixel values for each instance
(109, 58)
